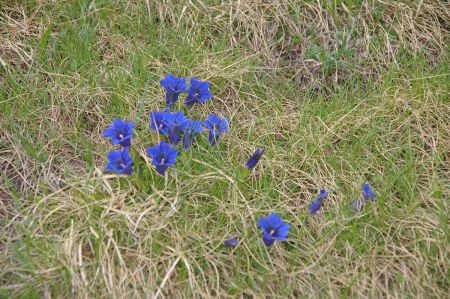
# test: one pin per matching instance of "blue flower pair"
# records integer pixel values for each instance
(120, 132)
(198, 91)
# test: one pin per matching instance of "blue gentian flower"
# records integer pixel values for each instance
(232, 242)
(163, 156)
(357, 205)
(190, 129)
(198, 92)
(120, 161)
(254, 158)
(367, 192)
(274, 228)
(120, 132)
(317, 203)
(173, 86)
(173, 121)
(216, 126)
(157, 122)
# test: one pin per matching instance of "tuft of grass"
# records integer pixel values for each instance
(336, 92)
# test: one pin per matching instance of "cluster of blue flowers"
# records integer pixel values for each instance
(275, 229)
(174, 125)
(178, 128)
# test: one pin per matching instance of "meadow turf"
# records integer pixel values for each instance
(338, 93)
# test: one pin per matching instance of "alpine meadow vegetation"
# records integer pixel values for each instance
(231, 149)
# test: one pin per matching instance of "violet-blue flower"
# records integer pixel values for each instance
(217, 126)
(317, 202)
(198, 92)
(190, 128)
(173, 86)
(367, 192)
(120, 161)
(120, 132)
(157, 122)
(163, 156)
(232, 242)
(274, 228)
(254, 158)
(173, 121)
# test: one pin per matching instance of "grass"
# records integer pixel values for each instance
(337, 92)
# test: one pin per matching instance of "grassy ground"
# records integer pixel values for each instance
(337, 92)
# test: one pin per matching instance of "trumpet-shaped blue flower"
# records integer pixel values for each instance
(190, 129)
(120, 161)
(254, 158)
(163, 156)
(274, 228)
(157, 123)
(173, 121)
(232, 242)
(198, 92)
(368, 193)
(120, 132)
(217, 126)
(317, 203)
(173, 86)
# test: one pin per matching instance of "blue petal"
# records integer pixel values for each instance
(283, 231)
(125, 141)
(275, 220)
(254, 158)
(263, 223)
(367, 192)
(161, 169)
(157, 122)
(188, 139)
(114, 156)
(128, 169)
(109, 132)
(323, 194)
(153, 151)
(213, 138)
(268, 241)
(230, 242)
(315, 206)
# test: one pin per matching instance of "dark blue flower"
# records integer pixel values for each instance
(216, 126)
(120, 132)
(367, 192)
(254, 158)
(190, 128)
(317, 203)
(357, 205)
(173, 86)
(198, 92)
(274, 228)
(157, 122)
(173, 121)
(120, 161)
(163, 156)
(232, 242)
